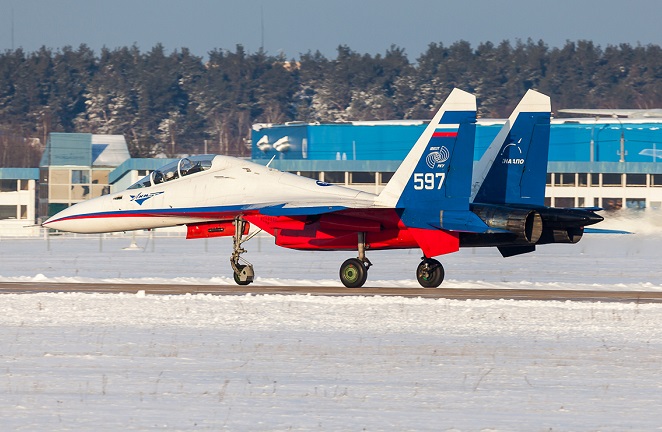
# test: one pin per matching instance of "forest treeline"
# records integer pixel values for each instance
(174, 103)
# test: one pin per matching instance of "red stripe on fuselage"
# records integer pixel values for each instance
(155, 214)
(444, 134)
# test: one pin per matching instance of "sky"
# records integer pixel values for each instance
(294, 27)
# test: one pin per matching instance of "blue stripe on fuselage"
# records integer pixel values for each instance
(208, 212)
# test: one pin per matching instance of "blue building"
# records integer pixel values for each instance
(605, 162)
(569, 140)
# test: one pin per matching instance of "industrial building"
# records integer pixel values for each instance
(611, 163)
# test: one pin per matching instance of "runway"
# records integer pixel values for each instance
(443, 292)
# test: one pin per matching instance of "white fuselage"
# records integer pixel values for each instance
(230, 187)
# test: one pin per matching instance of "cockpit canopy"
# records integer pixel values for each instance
(178, 169)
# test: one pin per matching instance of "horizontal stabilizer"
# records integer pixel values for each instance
(605, 231)
(462, 221)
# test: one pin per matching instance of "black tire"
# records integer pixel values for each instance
(236, 276)
(430, 273)
(353, 273)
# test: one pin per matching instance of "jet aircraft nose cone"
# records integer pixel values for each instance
(58, 221)
(78, 218)
(47, 221)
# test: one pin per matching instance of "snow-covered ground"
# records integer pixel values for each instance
(198, 362)
(113, 362)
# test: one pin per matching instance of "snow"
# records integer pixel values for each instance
(202, 362)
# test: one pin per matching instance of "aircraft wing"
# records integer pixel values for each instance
(310, 208)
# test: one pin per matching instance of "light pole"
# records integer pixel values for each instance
(622, 142)
(591, 157)
(597, 138)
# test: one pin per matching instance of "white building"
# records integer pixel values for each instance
(18, 201)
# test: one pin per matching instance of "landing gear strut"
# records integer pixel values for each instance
(430, 273)
(243, 273)
(354, 271)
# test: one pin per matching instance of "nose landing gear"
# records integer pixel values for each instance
(243, 273)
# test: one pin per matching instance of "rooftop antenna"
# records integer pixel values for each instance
(12, 28)
(261, 27)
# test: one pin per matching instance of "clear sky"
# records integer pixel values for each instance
(297, 26)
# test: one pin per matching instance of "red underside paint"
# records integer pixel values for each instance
(339, 231)
(314, 239)
(272, 223)
(331, 222)
(436, 242)
(212, 229)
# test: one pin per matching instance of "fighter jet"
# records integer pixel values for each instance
(431, 203)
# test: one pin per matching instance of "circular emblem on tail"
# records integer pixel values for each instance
(437, 157)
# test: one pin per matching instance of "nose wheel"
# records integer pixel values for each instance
(430, 273)
(244, 274)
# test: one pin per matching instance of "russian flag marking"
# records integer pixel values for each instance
(444, 134)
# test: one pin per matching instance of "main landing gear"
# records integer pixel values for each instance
(243, 273)
(354, 271)
(430, 273)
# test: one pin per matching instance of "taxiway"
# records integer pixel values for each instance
(445, 292)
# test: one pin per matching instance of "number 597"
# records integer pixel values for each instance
(428, 181)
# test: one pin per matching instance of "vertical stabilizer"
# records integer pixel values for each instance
(436, 174)
(513, 169)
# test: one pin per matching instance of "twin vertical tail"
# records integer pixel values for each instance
(513, 169)
(447, 202)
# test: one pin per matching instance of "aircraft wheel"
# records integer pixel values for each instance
(236, 276)
(353, 273)
(430, 273)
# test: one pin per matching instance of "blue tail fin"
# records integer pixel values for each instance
(513, 169)
(435, 177)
